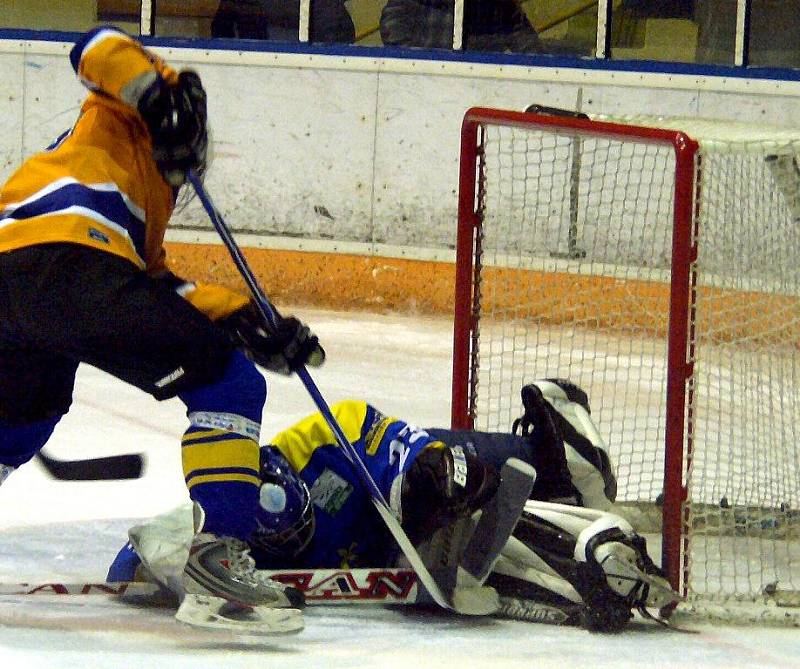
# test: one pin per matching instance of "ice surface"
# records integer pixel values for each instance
(55, 530)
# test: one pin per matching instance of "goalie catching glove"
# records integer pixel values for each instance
(283, 350)
(442, 485)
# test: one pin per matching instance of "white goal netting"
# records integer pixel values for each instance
(575, 262)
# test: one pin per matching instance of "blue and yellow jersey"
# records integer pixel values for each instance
(98, 184)
(349, 532)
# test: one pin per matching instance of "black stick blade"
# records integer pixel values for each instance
(111, 468)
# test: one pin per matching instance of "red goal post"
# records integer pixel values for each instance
(579, 234)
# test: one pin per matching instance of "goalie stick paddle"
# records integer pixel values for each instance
(110, 468)
(463, 553)
(498, 519)
(271, 318)
(320, 586)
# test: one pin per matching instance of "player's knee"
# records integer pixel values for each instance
(240, 389)
(19, 443)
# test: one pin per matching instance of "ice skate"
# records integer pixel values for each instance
(222, 567)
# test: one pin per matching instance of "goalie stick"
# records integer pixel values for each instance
(322, 587)
(498, 519)
(333, 586)
(110, 468)
(479, 600)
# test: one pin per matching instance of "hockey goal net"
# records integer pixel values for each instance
(656, 263)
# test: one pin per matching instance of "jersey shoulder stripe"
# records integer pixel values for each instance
(103, 204)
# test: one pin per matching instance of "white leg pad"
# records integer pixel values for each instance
(544, 579)
(163, 543)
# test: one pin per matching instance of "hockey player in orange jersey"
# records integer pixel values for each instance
(83, 278)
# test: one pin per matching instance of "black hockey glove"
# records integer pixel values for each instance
(291, 345)
(176, 116)
(441, 486)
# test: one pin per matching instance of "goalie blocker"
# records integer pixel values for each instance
(587, 564)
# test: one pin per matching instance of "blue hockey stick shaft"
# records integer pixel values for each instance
(272, 317)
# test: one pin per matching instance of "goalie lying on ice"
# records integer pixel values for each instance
(567, 553)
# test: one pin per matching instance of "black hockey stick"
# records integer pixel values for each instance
(110, 468)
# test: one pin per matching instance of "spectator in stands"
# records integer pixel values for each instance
(280, 20)
(774, 25)
(489, 25)
(661, 9)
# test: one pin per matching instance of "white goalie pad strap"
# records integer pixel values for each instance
(230, 422)
(163, 543)
(530, 573)
(608, 522)
(573, 519)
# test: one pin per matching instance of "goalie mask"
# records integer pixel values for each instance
(285, 519)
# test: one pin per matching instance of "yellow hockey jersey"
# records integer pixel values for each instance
(98, 184)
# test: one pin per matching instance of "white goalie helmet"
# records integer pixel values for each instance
(285, 518)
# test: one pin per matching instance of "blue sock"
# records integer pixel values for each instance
(19, 443)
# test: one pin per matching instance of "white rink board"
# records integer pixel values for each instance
(358, 149)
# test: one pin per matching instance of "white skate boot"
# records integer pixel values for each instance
(222, 567)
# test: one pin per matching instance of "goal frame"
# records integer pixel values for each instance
(682, 301)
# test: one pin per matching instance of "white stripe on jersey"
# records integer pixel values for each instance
(53, 186)
(101, 36)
